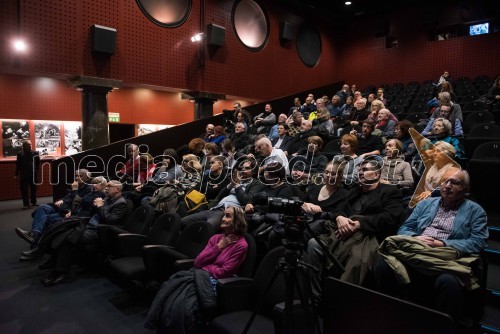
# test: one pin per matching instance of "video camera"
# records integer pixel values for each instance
(284, 206)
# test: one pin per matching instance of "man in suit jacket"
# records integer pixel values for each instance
(437, 222)
(283, 140)
(112, 211)
(374, 213)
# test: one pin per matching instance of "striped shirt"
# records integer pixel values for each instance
(441, 226)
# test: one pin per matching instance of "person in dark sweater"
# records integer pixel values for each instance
(368, 144)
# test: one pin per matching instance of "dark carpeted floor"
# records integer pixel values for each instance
(89, 303)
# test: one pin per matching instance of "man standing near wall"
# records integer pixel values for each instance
(27, 167)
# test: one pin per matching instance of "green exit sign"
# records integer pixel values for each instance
(114, 116)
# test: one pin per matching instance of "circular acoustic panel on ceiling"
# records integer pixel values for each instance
(250, 24)
(308, 44)
(166, 13)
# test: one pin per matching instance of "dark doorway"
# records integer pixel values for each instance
(119, 131)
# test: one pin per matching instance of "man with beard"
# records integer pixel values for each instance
(299, 142)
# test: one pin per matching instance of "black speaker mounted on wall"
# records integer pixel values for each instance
(103, 39)
(216, 35)
(286, 31)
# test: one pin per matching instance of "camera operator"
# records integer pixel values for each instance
(374, 212)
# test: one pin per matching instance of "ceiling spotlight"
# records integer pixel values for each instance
(19, 45)
(348, 3)
(198, 37)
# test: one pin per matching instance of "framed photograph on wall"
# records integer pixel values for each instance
(72, 137)
(13, 134)
(48, 138)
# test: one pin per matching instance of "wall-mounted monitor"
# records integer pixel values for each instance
(479, 29)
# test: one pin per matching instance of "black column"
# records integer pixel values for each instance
(203, 108)
(95, 125)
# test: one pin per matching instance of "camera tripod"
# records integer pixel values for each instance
(295, 271)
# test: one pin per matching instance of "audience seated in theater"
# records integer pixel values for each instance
(445, 77)
(369, 100)
(441, 131)
(323, 125)
(240, 138)
(112, 210)
(283, 140)
(308, 107)
(146, 169)
(385, 125)
(353, 90)
(396, 170)
(439, 164)
(323, 199)
(192, 173)
(375, 108)
(166, 171)
(297, 106)
(402, 133)
(308, 163)
(239, 192)
(77, 202)
(174, 307)
(130, 170)
(493, 95)
(353, 236)
(273, 133)
(444, 113)
(348, 147)
(430, 259)
(216, 179)
(446, 87)
(294, 123)
(356, 116)
(249, 150)
(335, 106)
(299, 142)
(229, 152)
(456, 110)
(209, 130)
(357, 96)
(210, 150)
(275, 185)
(267, 154)
(218, 135)
(241, 115)
(343, 94)
(195, 147)
(320, 105)
(345, 110)
(380, 96)
(263, 122)
(368, 144)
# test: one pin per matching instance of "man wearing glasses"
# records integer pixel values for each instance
(112, 211)
(448, 229)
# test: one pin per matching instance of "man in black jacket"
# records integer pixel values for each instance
(27, 166)
(299, 142)
(112, 211)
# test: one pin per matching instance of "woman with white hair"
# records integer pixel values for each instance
(441, 131)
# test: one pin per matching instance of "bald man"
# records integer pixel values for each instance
(269, 154)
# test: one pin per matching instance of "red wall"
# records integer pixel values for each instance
(363, 59)
(59, 35)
